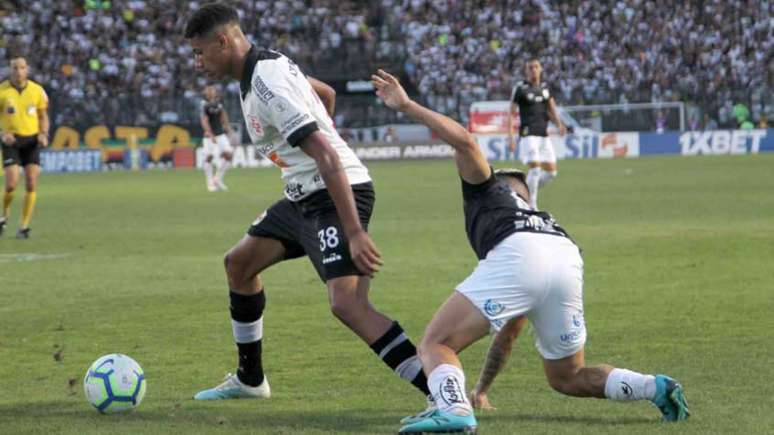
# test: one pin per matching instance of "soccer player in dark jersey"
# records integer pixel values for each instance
(218, 136)
(325, 212)
(536, 107)
(528, 267)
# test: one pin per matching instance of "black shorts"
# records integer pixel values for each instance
(24, 151)
(312, 227)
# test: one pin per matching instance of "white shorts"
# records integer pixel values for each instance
(537, 149)
(215, 148)
(537, 275)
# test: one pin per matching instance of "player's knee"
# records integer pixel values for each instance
(346, 308)
(234, 267)
(208, 159)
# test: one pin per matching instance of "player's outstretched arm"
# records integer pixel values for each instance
(496, 358)
(326, 93)
(471, 163)
(362, 249)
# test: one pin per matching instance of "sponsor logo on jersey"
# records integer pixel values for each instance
(451, 392)
(493, 308)
(261, 90)
(291, 124)
(255, 125)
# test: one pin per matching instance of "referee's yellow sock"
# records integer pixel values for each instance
(7, 200)
(29, 206)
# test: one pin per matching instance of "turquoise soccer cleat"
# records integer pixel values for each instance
(670, 399)
(233, 388)
(431, 407)
(441, 422)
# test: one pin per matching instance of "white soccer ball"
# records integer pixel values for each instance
(114, 383)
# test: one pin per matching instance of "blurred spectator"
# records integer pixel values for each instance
(125, 61)
(709, 123)
(708, 53)
(390, 136)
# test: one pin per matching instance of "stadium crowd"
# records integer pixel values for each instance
(102, 56)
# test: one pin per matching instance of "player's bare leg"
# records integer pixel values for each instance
(570, 376)
(548, 172)
(243, 263)
(456, 325)
(11, 180)
(31, 174)
(209, 173)
(223, 166)
(348, 296)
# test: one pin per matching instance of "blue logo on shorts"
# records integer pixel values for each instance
(577, 319)
(493, 308)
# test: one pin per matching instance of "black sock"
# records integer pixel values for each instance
(397, 351)
(246, 311)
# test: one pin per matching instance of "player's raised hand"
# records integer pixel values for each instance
(366, 257)
(388, 88)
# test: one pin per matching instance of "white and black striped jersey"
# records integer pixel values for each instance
(281, 109)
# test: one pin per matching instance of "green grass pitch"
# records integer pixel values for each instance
(679, 259)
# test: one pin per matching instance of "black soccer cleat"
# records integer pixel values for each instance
(23, 234)
(3, 221)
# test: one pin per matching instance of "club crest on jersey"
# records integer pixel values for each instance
(255, 125)
(493, 307)
(279, 106)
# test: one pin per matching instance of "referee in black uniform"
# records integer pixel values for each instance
(536, 107)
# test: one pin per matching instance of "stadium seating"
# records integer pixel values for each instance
(125, 62)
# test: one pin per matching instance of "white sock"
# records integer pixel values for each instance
(447, 385)
(208, 171)
(222, 168)
(533, 182)
(546, 176)
(627, 385)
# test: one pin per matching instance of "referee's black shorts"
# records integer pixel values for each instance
(24, 151)
(311, 227)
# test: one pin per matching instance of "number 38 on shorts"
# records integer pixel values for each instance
(329, 238)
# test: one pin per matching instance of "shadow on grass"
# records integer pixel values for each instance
(515, 419)
(70, 416)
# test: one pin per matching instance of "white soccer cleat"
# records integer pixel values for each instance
(211, 187)
(233, 388)
(219, 185)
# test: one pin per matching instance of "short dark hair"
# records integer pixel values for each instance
(509, 172)
(208, 17)
(14, 54)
